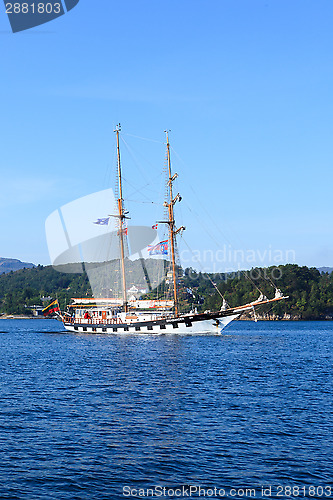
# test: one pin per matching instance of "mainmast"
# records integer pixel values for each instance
(171, 222)
(122, 217)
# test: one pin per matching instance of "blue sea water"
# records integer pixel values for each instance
(108, 417)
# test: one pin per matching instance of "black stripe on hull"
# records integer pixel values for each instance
(186, 321)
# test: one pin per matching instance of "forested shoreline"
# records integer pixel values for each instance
(310, 292)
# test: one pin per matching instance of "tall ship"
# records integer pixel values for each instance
(136, 279)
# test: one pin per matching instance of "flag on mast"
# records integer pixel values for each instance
(103, 222)
(160, 249)
(51, 308)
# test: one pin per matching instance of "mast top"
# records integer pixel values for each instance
(117, 128)
(167, 135)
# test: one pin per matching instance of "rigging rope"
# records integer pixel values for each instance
(143, 138)
(218, 245)
(219, 229)
(204, 272)
(194, 213)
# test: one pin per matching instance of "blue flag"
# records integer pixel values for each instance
(103, 222)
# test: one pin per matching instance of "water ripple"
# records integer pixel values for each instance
(81, 416)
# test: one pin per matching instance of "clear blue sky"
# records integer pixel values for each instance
(245, 86)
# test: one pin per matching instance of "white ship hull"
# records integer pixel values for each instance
(206, 326)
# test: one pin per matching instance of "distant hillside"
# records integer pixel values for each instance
(7, 265)
(328, 270)
(310, 292)
(26, 287)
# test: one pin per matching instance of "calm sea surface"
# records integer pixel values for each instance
(106, 417)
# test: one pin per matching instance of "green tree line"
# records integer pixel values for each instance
(310, 292)
(19, 290)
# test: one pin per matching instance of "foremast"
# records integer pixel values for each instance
(171, 223)
(122, 217)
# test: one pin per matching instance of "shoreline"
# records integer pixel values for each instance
(21, 316)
